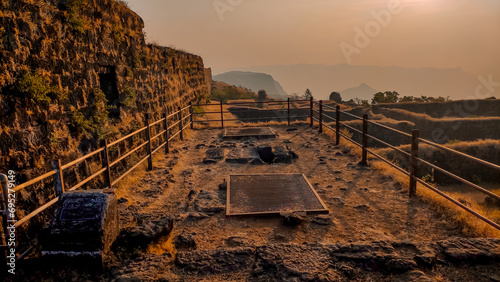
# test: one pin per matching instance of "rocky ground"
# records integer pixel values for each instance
(174, 227)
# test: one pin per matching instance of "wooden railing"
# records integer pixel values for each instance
(177, 121)
(413, 157)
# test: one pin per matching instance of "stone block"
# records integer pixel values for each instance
(84, 224)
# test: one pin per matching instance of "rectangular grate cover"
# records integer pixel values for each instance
(256, 132)
(255, 194)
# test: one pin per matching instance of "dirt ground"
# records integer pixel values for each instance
(366, 210)
(363, 204)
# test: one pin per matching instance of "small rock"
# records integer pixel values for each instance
(338, 154)
(322, 219)
(185, 240)
(236, 241)
(329, 186)
(291, 129)
(338, 201)
(209, 161)
(343, 189)
(286, 141)
(208, 170)
(362, 207)
(337, 172)
(197, 216)
(281, 155)
(292, 218)
(322, 163)
(215, 154)
(346, 151)
(400, 265)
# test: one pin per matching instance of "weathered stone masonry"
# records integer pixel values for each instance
(66, 51)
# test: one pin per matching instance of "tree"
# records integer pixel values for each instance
(295, 96)
(308, 94)
(335, 96)
(385, 97)
(262, 95)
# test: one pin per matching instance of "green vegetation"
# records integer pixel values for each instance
(231, 93)
(308, 94)
(453, 141)
(199, 111)
(74, 15)
(393, 97)
(96, 124)
(36, 86)
(385, 97)
(118, 34)
(130, 96)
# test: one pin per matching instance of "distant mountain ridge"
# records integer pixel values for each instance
(363, 92)
(253, 81)
(324, 79)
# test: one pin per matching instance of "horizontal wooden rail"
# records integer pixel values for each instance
(475, 186)
(33, 181)
(113, 163)
(36, 212)
(87, 179)
(156, 122)
(473, 212)
(129, 170)
(351, 115)
(469, 157)
(127, 136)
(79, 160)
(390, 128)
(390, 146)
(351, 128)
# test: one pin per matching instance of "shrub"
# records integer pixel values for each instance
(74, 15)
(199, 111)
(35, 86)
(130, 96)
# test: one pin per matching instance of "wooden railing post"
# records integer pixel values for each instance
(337, 125)
(165, 127)
(106, 162)
(311, 113)
(365, 141)
(320, 130)
(221, 115)
(414, 162)
(148, 136)
(58, 177)
(288, 112)
(191, 114)
(181, 126)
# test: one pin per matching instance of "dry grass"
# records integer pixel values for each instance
(471, 224)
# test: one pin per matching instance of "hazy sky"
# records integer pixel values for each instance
(240, 33)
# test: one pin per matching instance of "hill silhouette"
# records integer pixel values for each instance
(253, 81)
(323, 79)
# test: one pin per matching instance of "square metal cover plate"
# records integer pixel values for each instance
(259, 194)
(256, 132)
